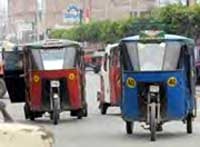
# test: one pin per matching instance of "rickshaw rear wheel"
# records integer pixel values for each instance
(85, 111)
(80, 114)
(153, 122)
(28, 113)
(129, 127)
(32, 117)
(104, 108)
(189, 124)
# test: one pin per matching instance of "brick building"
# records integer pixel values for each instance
(50, 13)
(22, 18)
(97, 9)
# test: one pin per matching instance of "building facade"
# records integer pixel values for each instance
(94, 10)
(22, 18)
(44, 14)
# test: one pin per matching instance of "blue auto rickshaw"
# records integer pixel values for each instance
(158, 80)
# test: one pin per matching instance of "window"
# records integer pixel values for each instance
(154, 56)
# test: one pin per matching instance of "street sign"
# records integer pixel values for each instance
(72, 15)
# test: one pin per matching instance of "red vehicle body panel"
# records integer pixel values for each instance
(88, 59)
(73, 85)
(115, 85)
(114, 79)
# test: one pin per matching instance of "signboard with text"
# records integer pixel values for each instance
(72, 15)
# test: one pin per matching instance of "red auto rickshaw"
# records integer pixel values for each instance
(53, 78)
(110, 89)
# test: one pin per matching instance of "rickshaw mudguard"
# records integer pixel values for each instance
(178, 97)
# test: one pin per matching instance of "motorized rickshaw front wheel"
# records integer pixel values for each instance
(153, 122)
(189, 124)
(56, 112)
(129, 127)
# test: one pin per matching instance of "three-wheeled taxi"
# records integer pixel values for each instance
(52, 79)
(110, 93)
(158, 80)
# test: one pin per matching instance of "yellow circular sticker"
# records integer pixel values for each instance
(36, 78)
(71, 76)
(130, 82)
(172, 82)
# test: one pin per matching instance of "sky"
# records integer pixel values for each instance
(3, 4)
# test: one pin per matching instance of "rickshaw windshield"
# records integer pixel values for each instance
(154, 56)
(54, 59)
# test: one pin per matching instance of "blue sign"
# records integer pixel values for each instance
(72, 14)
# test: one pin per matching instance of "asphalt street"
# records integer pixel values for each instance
(109, 130)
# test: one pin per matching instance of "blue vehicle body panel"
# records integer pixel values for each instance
(179, 99)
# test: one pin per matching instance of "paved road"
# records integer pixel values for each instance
(108, 131)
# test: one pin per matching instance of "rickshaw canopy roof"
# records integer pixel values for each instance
(167, 37)
(52, 43)
(109, 47)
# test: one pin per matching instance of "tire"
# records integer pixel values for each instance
(104, 108)
(85, 111)
(32, 117)
(129, 127)
(2, 88)
(26, 112)
(56, 112)
(153, 122)
(80, 114)
(189, 124)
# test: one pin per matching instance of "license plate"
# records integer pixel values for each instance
(55, 83)
(154, 88)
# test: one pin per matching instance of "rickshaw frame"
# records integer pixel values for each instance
(130, 115)
(109, 95)
(40, 94)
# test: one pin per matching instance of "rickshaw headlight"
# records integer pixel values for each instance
(172, 82)
(36, 78)
(55, 83)
(154, 88)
